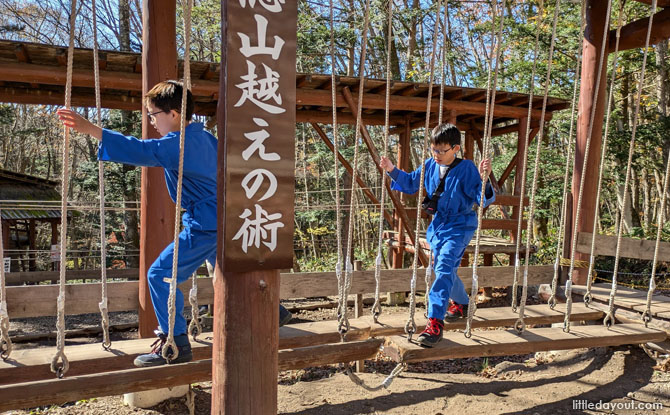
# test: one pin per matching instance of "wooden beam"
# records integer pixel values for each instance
(71, 274)
(509, 342)
(397, 204)
(366, 190)
(298, 285)
(630, 248)
(628, 298)
(326, 117)
(633, 35)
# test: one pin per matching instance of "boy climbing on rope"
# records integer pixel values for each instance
(197, 240)
(454, 186)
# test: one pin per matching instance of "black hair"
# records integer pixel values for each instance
(166, 96)
(446, 134)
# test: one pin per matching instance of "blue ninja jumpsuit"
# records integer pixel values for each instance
(197, 240)
(452, 227)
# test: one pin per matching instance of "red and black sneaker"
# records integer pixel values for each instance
(432, 334)
(456, 311)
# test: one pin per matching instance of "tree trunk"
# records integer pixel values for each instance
(646, 205)
(395, 61)
(411, 42)
(662, 88)
(626, 216)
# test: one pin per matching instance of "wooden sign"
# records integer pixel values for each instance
(259, 99)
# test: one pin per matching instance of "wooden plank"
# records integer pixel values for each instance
(324, 283)
(33, 364)
(58, 391)
(503, 224)
(71, 274)
(349, 351)
(40, 300)
(394, 324)
(509, 342)
(73, 388)
(628, 316)
(628, 298)
(630, 248)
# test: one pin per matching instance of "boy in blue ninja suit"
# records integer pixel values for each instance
(453, 186)
(197, 240)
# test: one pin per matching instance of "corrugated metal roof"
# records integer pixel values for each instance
(18, 190)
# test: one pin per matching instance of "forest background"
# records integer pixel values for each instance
(30, 137)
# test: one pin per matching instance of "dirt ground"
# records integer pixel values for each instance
(542, 383)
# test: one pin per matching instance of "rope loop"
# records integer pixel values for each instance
(520, 325)
(608, 320)
(170, 350)
(587, 299)
(194, 327)
(60, 364)
(646, 318)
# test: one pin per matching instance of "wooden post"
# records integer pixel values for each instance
(398, 254)
(159, 63)
(469, 152)
(591, 50)
(246, 280)
(521, 148)
(31, 243)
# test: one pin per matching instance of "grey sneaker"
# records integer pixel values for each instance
(155, 358)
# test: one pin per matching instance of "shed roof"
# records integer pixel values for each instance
(17, 189)
(33, 73)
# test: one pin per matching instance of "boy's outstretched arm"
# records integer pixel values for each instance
(73, 120)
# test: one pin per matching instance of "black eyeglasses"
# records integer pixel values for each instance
(152, 115)
(440, 152)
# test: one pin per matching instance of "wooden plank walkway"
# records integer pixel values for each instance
(73, 388)
(33, 364)
(509, 342)
(488, 244)
(628, 298)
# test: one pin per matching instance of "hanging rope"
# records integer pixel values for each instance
(410, 326)
(496, 41)
(343, 325)
(566, 175)
(526, 136)
(596, 217)
(520, 325)
(104, 311)
(59, 362)
(344, 284)
(646, 316)
(568, 283)
(609, 318)
(5, 340)
(377, 308)
(336, 151)
(170, 350)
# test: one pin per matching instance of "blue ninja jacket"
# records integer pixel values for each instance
(462, 189)
(200, 165)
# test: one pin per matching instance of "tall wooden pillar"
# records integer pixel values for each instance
(403, 163)
(591, 50)
(159, 63)
(469, 151)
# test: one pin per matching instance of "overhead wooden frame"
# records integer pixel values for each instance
(32, 74)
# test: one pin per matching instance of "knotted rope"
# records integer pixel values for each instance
(59, 362)
(520, 325)
(410, 326)
(609, 318)
(170, 350)
(104, 311)
(488, 125)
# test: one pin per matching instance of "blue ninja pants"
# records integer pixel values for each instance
(194, 248)
(448, 250)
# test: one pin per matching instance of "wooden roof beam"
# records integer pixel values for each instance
(633, 34)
